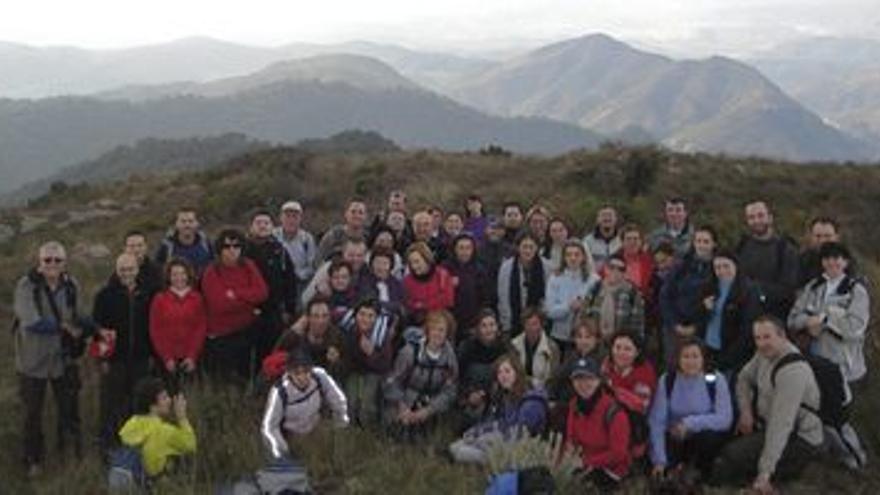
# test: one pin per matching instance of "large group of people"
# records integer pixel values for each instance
(656, 349)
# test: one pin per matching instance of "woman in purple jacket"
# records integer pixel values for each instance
(513, 409)
(691, 415)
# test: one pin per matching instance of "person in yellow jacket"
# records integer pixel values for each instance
(160, 429)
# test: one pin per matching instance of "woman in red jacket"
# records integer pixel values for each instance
(427, 287)
(598, 426)
(233, 289)
(632, 380)
(178, 321)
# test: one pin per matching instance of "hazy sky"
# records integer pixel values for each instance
(697, 26)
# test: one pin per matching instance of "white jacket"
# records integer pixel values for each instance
(544, 362)
(562, 289)
(300, 411)
(846, 313)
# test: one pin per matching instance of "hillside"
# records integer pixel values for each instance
(39, 137)
(603, 84)
(91, 219)
(155, 156)
(839, 78)
(147, 156)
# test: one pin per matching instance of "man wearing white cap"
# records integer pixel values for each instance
(299, 243)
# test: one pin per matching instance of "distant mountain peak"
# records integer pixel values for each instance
(714, 104)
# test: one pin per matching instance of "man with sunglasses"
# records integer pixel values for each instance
(49, 337)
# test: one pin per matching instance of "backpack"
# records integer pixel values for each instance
(710, 379)
(71, 347)
(832, 387)
(639, 430)
(284, 396)
(126, 471)
(529, 481)
(832, 411)
(431, 365)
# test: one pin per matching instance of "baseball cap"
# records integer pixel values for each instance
(585, 367)
(292, 205)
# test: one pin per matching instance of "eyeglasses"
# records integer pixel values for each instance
(232, 245)
(56, 260)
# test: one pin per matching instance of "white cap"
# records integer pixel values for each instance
(292, 205)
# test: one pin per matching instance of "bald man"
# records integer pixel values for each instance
(121, 313)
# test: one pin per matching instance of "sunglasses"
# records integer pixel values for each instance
(233, 245)
(49, 260)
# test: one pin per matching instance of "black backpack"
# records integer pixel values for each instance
(639, 430)
(710, 379)
(832, 387)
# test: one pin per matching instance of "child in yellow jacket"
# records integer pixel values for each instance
(160, 429)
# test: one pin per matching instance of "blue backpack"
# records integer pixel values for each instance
(126, 470)
(506, 483)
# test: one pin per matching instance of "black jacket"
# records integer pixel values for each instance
(475, 363)
(115, 308)
(277, 270)
(742, 307)
(472, 292)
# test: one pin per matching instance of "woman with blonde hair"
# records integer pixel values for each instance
(569, 291)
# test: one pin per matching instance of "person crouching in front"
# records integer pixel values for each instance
(159, 429)
(295, 402)
(598, 426)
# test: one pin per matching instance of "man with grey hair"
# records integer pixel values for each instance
(299, 243)
(49, 334)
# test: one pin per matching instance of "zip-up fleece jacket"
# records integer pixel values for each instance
(128, 314)
(225, 315)
(178, 325)
(845, 313)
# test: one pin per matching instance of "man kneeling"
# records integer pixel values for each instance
(294, 403)
(782, 430)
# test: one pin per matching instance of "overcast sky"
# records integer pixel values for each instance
(696, 26)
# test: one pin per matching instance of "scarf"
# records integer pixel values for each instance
(534, 289)
(586, 406)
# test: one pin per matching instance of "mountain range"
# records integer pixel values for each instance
(836, 77)
(558, 97)
(38, 137)
(716, 104)
(33, 72)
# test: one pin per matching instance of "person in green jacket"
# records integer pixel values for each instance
(159, 429)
